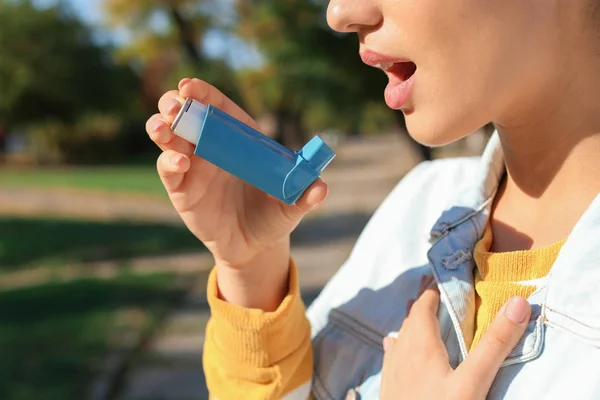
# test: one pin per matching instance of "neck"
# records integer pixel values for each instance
(552, 155)
(552, 148)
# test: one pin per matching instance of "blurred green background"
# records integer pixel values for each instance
(101, 286)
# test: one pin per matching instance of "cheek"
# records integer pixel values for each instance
(462, 73)
(470, 55)
(450, 81)
(447, 106)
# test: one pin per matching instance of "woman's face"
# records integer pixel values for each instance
(476, 60)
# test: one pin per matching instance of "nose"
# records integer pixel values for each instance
(353, 15)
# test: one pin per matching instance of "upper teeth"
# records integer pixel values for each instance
(385, 65)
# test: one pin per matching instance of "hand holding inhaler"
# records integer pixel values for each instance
(246, 226)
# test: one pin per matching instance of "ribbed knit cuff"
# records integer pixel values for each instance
(256, 337)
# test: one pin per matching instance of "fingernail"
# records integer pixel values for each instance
(183, 82)
(516, 310)
(172, 106)
(175, 160)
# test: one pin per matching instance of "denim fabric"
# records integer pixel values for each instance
(430, 224)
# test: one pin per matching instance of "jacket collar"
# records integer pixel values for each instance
(572, 298)
(476, 197)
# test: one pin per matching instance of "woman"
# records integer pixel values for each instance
(521, 222)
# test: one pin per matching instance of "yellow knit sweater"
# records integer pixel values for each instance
(251, 354)
(499, 276)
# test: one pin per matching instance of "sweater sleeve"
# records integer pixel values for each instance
(252, 354)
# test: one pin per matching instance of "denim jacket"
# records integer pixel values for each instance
(430, 224)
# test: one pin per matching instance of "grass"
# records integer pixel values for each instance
(126, 179)
(55, 337)
(33, 241)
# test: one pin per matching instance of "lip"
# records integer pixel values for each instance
(399, 89)
(375, 59)
(398, 92)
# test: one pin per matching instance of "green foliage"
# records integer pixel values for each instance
(67, 241)
(167, 38)
(309, 68)
(50, 68)
(77, 104)
(87, 139)
(60, 86)
(376, 118)
(138, 180)
(56, 337)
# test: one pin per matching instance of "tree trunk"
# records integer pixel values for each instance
(189, 40)
(3, 139)
(186, 36)
(289, 128)
(424, 151)
(280, 118)
(298, 131)
(354, 129)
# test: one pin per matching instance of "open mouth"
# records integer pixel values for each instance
(402, 70)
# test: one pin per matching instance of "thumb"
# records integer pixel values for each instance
(502, 336)
(313, 196)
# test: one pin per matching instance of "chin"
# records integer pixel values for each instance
(435, 130)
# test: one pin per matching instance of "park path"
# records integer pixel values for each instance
(368, 165)
(361, 175)
(170, 366)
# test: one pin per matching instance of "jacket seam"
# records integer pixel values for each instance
(319, 389)
(351, 325)
(572, 319)
(450, 225)
(588, 339)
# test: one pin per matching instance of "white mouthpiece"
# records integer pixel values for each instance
(189, 121)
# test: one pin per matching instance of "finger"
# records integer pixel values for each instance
(160, 132)
(172, 167)
(169, 105)
(506, 329)
(423, 315)
(312, 197)
(424, 283)
(409, 305)
(208, 94)
(428, 303)
(183, 82)
(388, 342)
(422, 329)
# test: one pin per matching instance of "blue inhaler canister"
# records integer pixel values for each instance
(248, 154)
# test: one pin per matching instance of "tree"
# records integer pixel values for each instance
(51, 69)
(167, 42)
(306, 63)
